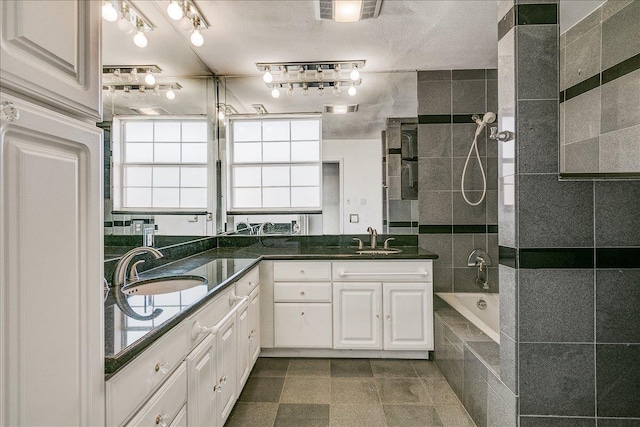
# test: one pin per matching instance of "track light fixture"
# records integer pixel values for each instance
(320, 74)
(129, 19)
(109, 13)
(189, 18)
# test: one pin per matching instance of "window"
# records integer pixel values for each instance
(163, 164)
(275, 164)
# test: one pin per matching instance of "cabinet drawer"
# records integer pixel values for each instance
(248, 282)
(130, 387)
(302, 270)
(210, 314)
(165, 404)
(309, 292)
(303, 325)
(383, 271)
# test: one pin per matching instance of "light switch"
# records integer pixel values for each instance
(354, 218)
(363, 201)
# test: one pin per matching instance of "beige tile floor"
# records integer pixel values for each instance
(347, 392)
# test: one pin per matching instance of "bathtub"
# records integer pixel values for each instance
(487, 320)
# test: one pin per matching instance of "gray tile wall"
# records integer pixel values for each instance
(570, 346)
(442, 151)
(601, 127)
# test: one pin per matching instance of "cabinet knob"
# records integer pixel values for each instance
(302, 293)
(9, 112)
(163, 368)
(301, 271)
(217, 388)
(223, 380)
(377, 316)
(388, 317)
(302, 314)
(162, 420)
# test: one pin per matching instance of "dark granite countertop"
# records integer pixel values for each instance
(133, 323)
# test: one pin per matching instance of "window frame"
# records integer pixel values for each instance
(231, 165)
(120, 165)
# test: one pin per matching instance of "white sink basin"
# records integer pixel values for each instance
(163, 285)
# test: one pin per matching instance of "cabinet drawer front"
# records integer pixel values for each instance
(248, 282)
(396, 271)
(309, 292)
(303, 325)
(129, 387)
(165, 404)
(210, 314)
(303, 270)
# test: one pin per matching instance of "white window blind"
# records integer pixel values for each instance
(164, 164)
(275, 164)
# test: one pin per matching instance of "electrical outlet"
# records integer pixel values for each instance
(354, 218)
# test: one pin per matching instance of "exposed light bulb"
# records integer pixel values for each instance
(117, 77)
(150, 79)
(185, 23)
(336, 88)
(140, 39)
(284, 73)
(267, 76)
(142, 92)
(196, 38)
(125, 25)
(290, 90)
(156, 91)
(126, 94)
(171, 95)
(109, 13)
(133, 75)
(354, 74)
(352, 91)
(305, 89)
(319, 73)
(111, 92)
(175, 11)
(302, 75)
(275, 93)
(320, 89)
(337, 73)
(221, 115)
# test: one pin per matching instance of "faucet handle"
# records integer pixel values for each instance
(360, 243)
(133, 272)
(386, 242)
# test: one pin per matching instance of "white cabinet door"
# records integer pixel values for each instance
(303, 325)
(408, 316)
(201, 378)
(50, 51)
(254, 325)
(51, 275)
(227, 368)
(244, 366)
(357, 313)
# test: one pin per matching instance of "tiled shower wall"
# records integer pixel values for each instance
(600, 91)
(448, 225)
(569, 250)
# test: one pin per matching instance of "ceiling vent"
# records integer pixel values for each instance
(369, 9)
(341, 109)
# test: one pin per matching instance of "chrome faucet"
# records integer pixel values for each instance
(373, 234)
(263, 225)
(120, 273)
(247, 227)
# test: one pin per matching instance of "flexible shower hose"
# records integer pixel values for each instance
(474, 146)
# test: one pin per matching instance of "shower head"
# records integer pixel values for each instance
(489, 117)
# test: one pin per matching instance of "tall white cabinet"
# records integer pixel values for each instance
(51, 334)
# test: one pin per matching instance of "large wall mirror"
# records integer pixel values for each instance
(600, 89)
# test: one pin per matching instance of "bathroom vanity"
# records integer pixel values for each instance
(186, 363)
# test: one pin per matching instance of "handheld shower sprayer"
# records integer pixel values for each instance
(487, 118)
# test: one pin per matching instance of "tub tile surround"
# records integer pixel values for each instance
(569, 342)
(448, 225)
(600, 84)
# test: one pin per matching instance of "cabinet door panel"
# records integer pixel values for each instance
(357, 313)
(408, 316)
(303, 325)
(254, 325)
(226, 362)
(244, 367)
(201, 377)
(50, 52)
(51, 293)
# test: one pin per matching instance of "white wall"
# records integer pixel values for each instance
(362, 180)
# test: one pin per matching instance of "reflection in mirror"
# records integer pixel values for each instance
(600, 89)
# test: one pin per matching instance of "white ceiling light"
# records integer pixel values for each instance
(196, 38)
(109, 13)
(340, 109)
(290, 90)
(174, 10)
(140, 39)
(171, 95)
(354, 74)
(267, 77)
(221, 115)
(321, 89)
(352, 91)
(336, 88)
(126, 94)
(347, 10)
(149, 78)
(305, 89)
(125, 25)
(142, 92)
(275, 93)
